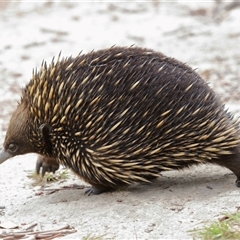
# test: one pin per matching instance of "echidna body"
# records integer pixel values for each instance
(122, 115)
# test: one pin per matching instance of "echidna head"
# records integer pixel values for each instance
(16, 141)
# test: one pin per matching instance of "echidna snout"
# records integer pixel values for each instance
(121, 115)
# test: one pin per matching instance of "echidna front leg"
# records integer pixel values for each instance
(46, 164)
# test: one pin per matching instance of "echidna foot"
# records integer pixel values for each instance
(96, 190)
(46, 164)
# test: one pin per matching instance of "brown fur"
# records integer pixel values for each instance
(19, 130)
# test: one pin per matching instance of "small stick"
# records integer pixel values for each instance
(73, 186)
(39, 227)
(31, 226)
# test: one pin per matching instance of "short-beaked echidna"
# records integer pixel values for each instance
(122, 115)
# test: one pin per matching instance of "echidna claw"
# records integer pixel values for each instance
(91, 190)
(95, 191)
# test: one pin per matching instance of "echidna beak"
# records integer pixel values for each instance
(4, 156)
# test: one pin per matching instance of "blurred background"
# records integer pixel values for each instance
(205, 35)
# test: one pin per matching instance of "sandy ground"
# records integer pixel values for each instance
(202, 34)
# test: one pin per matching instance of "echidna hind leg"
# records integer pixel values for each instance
(236, 166)
(232, 162)
(97, 189)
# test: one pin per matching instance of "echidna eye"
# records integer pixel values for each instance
(12, 147)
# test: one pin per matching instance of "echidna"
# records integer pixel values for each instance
(122, 115)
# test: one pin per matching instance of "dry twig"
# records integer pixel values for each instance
(30, 235)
